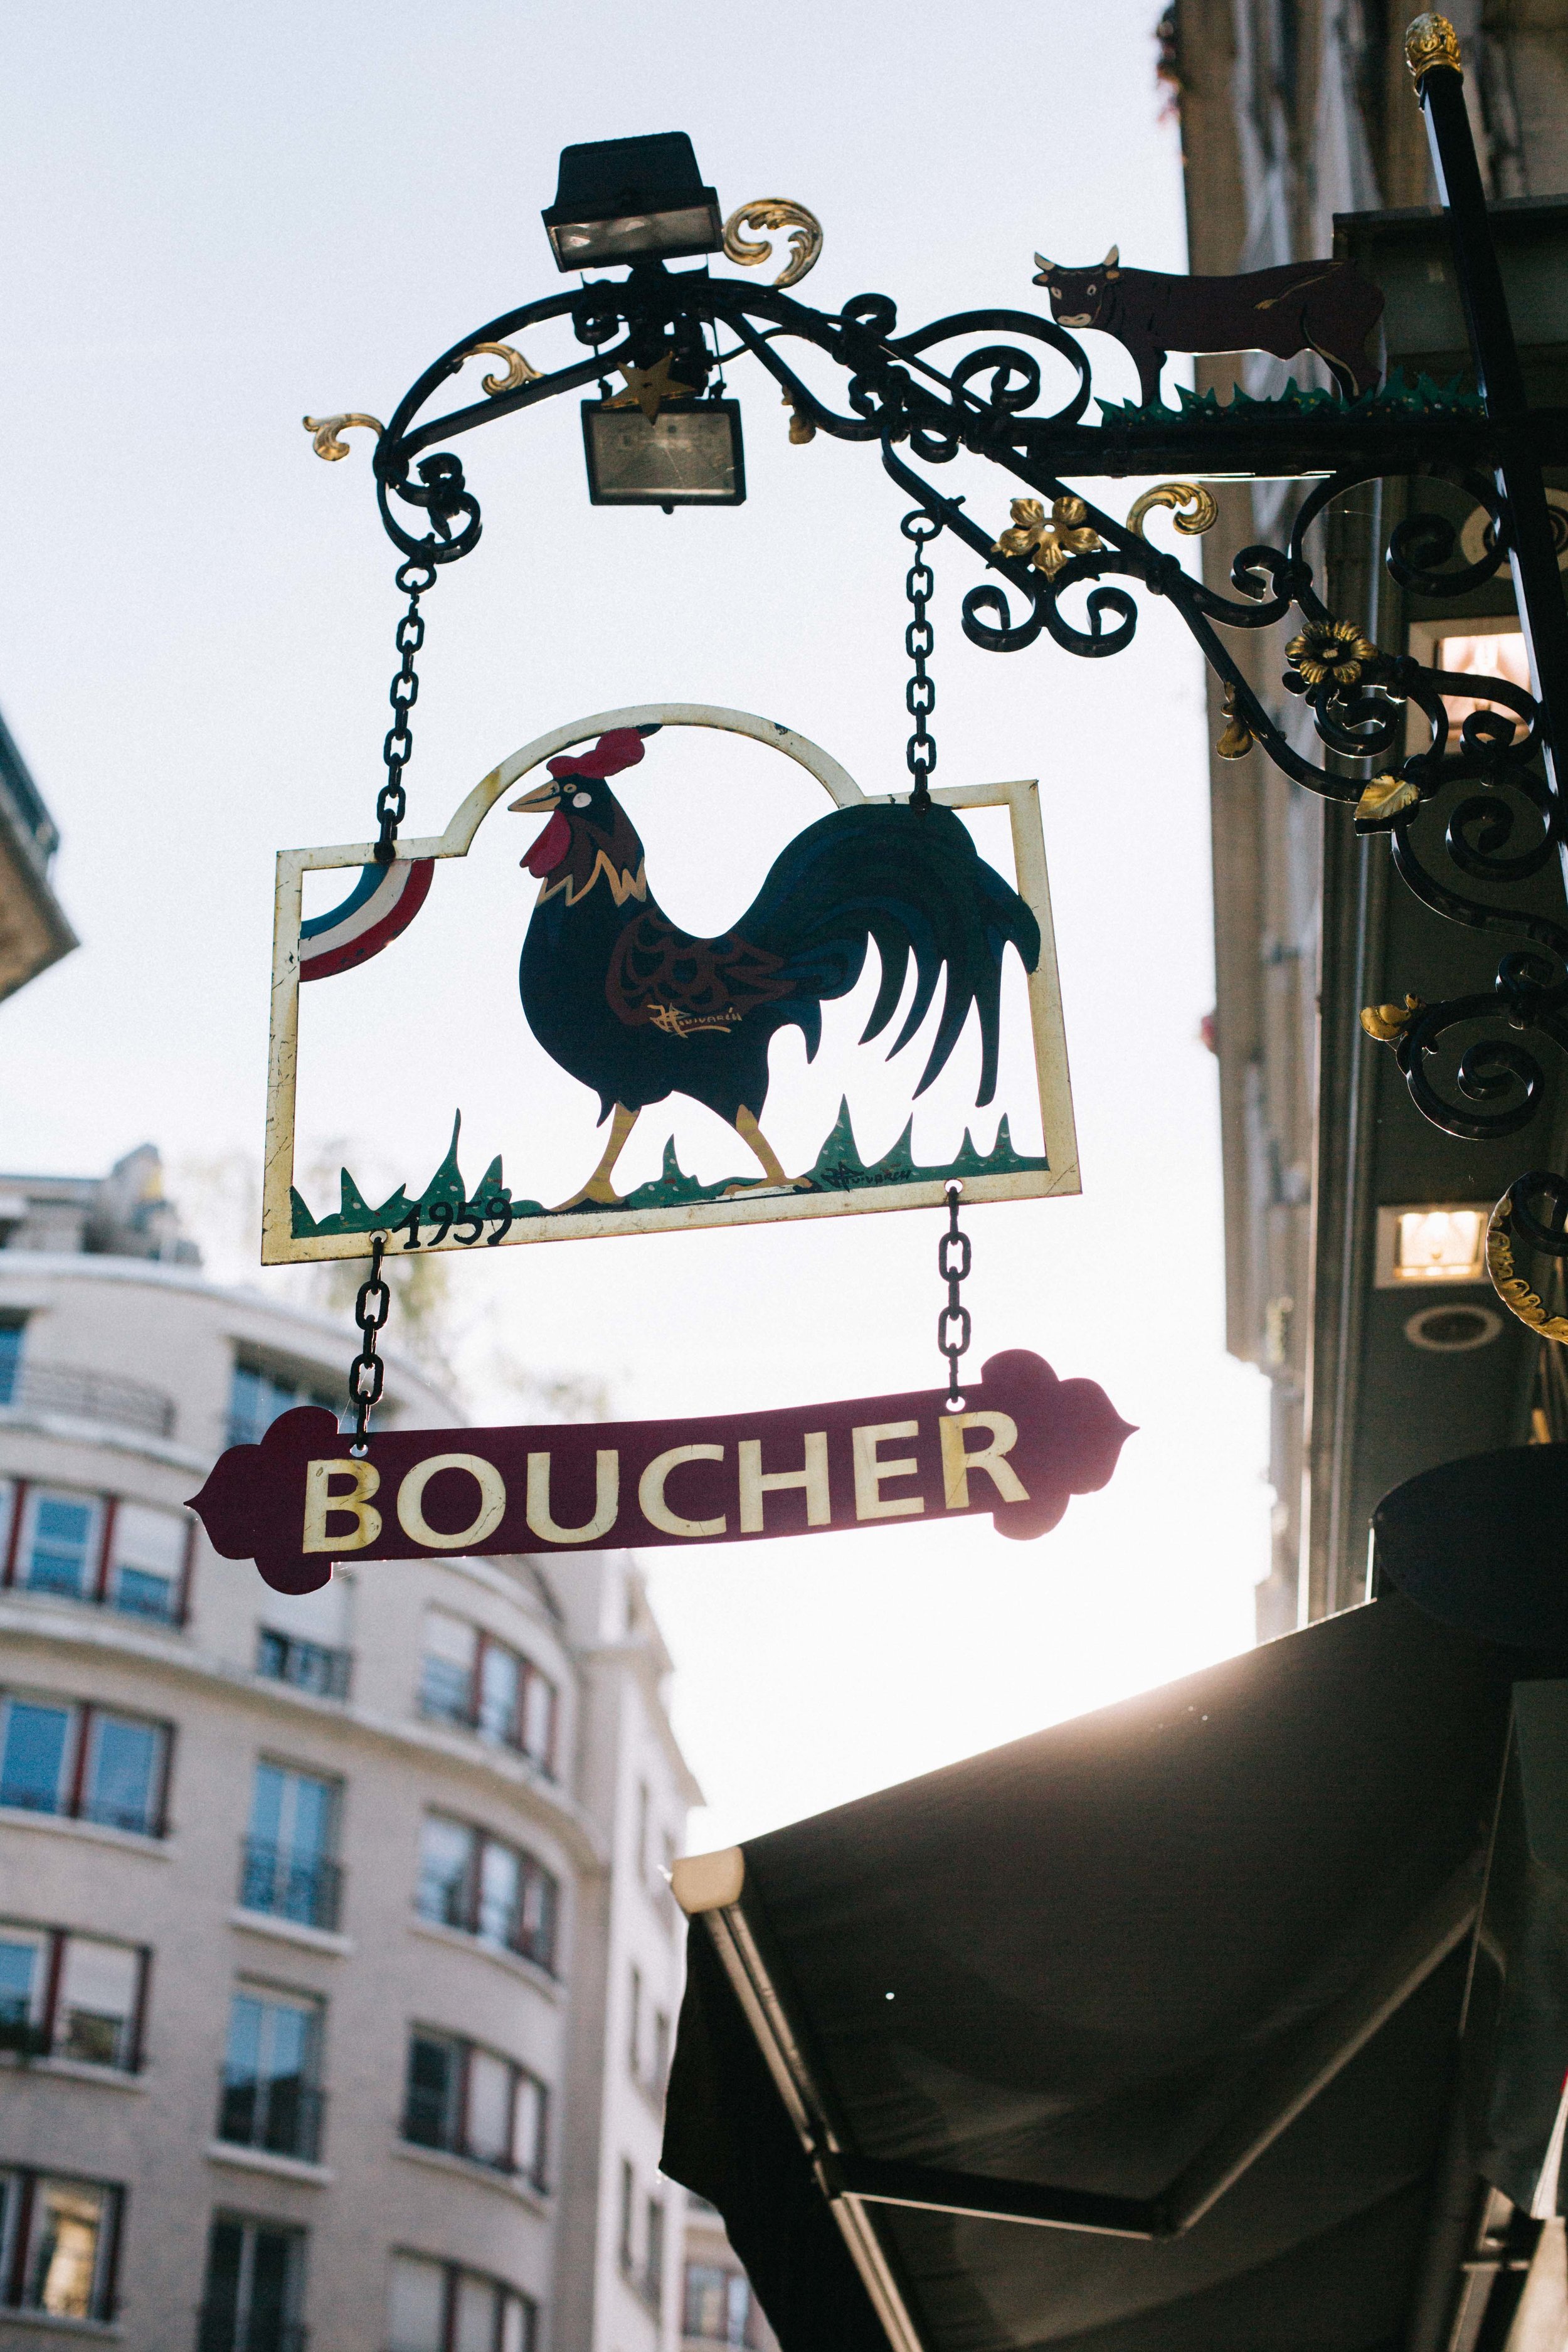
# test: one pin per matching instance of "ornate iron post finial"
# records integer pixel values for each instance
(1431, 41)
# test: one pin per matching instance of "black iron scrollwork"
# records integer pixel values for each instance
(975, 383)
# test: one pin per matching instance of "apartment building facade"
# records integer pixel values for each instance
(1353, 1272)
(338, 1963)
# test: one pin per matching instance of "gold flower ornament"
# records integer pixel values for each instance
(1048, 545)
(1329, 651)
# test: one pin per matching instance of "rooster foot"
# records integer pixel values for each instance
(598, 1190)
(747, 1184)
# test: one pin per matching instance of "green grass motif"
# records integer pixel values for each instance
(838, 1168)
(1396, 396)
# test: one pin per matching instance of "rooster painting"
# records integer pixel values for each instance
(639, 1010)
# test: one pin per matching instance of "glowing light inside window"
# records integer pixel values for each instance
(1440, 1245)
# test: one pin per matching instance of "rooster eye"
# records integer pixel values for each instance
(582, 799)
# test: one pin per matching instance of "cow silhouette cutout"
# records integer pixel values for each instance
(1326, 306)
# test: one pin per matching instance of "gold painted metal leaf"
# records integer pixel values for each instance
(1178, 496)
(1387, 1023)
(1386, 796)
(774, 213)
(518, 369)
(326, 430)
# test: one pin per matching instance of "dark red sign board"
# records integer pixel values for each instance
(1023, 1443)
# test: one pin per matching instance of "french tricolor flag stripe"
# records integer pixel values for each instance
(382, 902)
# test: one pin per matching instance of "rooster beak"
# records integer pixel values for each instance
(543, 796)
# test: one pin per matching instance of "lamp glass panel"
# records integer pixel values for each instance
(580, 245)
(686, 453)
(1440, 1245)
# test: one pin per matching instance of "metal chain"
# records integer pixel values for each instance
(367, 1372)
(919, 695)
(954, 1315)
(414, 579)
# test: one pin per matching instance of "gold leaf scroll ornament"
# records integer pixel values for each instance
(1386, 796)
(518, 369)
(1177, 495)
(1238, 737)
(1512, 1288)
(1431, 41)
(1048, 545)
(1388, 1023)
(774, 213)
(326, 430)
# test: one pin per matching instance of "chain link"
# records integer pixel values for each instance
(414, 579)
(953, 1258)
(367, 1372)
(920, 637)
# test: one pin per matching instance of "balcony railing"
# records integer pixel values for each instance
(279, 2114)
(303, 1887)
(218, 2330)
(308, 1665)
(87, 1395)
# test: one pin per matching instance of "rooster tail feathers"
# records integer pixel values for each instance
(912, 884)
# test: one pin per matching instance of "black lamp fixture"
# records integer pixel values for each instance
(658, 442)
(632, 200)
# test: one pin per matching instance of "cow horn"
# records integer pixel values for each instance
(1112, 258)
(1044, 266)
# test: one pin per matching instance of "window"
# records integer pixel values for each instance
(446, 1671)
(435, 2306)
(254, 2287)
(59, 1757)
(68, 1996)
(468, 1676)
(147, 1551)
(60, 1546)
(272, 2097)
(474, 1882)
(628, 2202)
(288, 1867)
(720, 2305)
(256, 1398)
(473, 2103)
(10, 1358)
(129, 1555)
(62, 2235)
(653, 2273)
(660, 2053)
(308, 1665)
(642, 1828)
(634, 2034)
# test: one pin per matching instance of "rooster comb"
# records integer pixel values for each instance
(621, 748)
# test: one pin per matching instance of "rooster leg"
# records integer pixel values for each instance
(598, 1186)
(752, 1135)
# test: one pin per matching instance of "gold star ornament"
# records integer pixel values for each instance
(647, 387)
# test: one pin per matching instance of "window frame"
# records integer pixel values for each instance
(250, 2225)
(100, 1585)
(83, 1719)
(322, 1863)
(532, 1876)
(297, 1384)
(453, 2274)
(312, 2100)
(531, 2166)
(49, 1996)
(531, 1679)
(18, 2234)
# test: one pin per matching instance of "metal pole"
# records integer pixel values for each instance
(1433, 52)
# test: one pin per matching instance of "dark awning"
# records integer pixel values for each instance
(1178, 1984)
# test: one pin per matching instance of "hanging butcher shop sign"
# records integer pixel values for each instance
(1023, 1444)
(867, 1019)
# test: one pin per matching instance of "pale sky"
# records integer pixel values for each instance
(215, 221)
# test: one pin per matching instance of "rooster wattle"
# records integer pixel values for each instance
(639, 1009)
